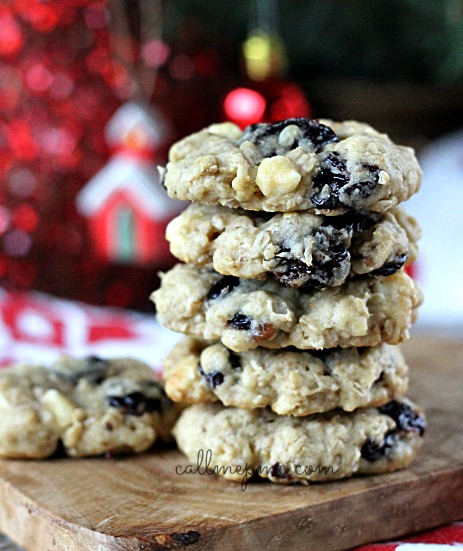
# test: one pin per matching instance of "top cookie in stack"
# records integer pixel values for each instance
(322, 166)
(294, 239)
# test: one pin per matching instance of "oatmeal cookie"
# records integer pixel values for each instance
(292, 165)
(296, 249)
(91, 406)
(288, 381)
(246, 313)
(238, 443)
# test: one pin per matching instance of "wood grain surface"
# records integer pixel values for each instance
(140, 503)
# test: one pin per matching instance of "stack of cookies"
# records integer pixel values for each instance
(293, 297)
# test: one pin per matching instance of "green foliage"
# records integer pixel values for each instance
(414, 40)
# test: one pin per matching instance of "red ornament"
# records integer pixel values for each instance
(244, 106)
(267, 97)
(11, 38)
(269, 101)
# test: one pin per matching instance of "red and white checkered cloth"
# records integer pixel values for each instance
(446, 538)
(37, 328)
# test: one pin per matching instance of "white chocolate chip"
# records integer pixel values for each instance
(226, 130)
(289, 135)
(383, 178)
(277, 176)
(174, 229)
(61, 407)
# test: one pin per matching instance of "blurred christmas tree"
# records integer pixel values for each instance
(384, 40)
(65, 67)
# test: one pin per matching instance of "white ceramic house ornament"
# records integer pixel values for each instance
(127, 208)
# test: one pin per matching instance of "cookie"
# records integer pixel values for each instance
(288, 381)
(292, 165)
(238, 443)
(246, 313)
(90, 407)
(295, 249)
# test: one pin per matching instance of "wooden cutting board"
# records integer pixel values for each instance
(140, 503)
